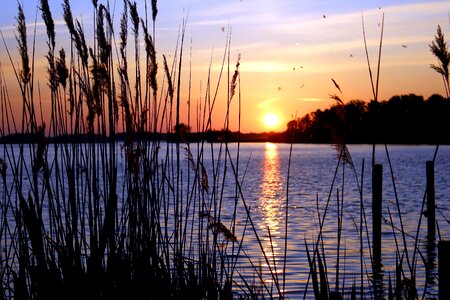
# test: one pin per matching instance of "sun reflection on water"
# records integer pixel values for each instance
(271, 197)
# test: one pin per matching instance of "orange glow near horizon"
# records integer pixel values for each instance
(288, 54)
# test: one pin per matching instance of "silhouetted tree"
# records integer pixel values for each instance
(402, 119)
(355, 124)
(182, 132)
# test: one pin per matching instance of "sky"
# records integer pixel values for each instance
(289, 50)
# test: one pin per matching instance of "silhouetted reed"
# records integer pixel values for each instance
(139, 218)
(77, 221)
(439, 48)
(378, 283)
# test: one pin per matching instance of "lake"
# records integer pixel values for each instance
(263, 172)
(257, 180)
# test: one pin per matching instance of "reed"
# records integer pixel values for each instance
(439, 48)
(379, 285)
(74, 214)
(144, 218)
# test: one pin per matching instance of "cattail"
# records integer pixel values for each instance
(25, 73)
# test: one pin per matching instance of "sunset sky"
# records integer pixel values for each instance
(289, 49)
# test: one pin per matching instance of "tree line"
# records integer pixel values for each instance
(405, 119)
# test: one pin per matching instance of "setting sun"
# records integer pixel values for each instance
(271, 120)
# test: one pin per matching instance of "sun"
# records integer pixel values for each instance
(271, 120)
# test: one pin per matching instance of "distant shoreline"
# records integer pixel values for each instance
(210, 137)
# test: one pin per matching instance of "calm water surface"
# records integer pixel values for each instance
(264, 174)
(307, 184)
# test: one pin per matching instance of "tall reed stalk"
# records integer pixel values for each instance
(81, 208)
(94, 203)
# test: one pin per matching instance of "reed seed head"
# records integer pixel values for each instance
(61, 68)
(25, 72)
(154, 10)
(49, 23)
(170, 88)
(235, 76)
(439, 48)
(134, 17)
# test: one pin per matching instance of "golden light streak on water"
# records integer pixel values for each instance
(271, 198)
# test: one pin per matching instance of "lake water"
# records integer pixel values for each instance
(264, 175)
(308, 182)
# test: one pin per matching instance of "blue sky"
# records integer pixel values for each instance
(290, 49)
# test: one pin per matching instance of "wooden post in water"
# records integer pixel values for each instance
(444, 267)
(377, 190)
(431, 204)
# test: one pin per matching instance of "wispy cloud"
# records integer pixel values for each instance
(267, 102)
(9, 31)
(420, 7)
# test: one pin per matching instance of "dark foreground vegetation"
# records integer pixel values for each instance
(90, 220)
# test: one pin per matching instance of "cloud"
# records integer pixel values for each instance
(268, 102)
(310, 26)
(424, 7)
(9, 31)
